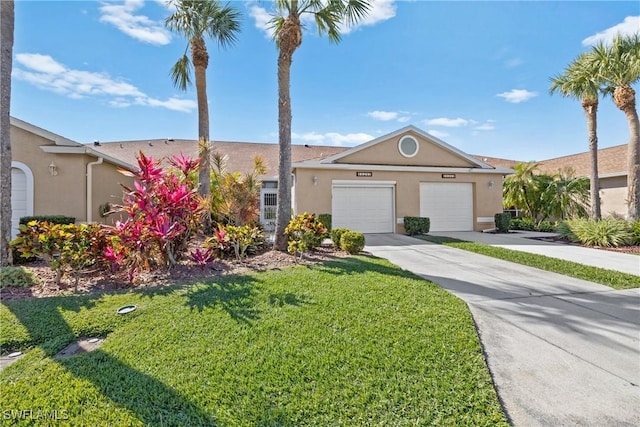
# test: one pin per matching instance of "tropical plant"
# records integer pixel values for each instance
(329, 17)
(195, 20)
(304, 232)
(578, 81)
(163, 213)
(235, 198)
(605, 232)
(6, 45)
(64, 247)
(543, 196)
(618, 66)
(521, 190)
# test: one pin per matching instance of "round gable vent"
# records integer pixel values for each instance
(408, 146)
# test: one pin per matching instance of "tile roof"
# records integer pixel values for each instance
(611, 160)
(240, 155)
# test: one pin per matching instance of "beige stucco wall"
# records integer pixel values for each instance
(613, 195)
(387, 153)
(66, 192)
(317, 198)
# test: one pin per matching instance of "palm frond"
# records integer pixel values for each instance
(181, 73)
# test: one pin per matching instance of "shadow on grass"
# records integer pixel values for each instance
(147, 398)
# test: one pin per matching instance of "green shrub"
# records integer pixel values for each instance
(325, 219)
(352, 242)
(503, 222)
(546, 226)
(525, 224)
(336, 234)
(53, 219)
(304, 232)
(414, 225)
(564, 232)
(635, 231)
(16, 276)
(604, 232)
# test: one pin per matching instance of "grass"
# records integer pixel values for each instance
(614, 279)
(352, 342)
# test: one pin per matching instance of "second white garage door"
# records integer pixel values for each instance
(448, 205)
(368, 208)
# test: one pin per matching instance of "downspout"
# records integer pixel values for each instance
(90, 187)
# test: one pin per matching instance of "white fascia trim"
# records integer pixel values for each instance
(392, 168)
(83, 149)
(356, 183)
(55, 138)
(399, 132)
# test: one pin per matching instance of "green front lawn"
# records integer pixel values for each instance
(352, 342)
(614, 279)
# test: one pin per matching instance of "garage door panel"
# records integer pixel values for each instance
(448, 205)
(364, 209)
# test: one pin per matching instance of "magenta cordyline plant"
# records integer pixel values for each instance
(163, 212)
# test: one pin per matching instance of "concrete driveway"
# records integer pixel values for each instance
(562, 351)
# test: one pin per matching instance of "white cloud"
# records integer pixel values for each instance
(488, 125)
(262, 19)
(437, 133)
(46, 73)
(630, 26)
(446, 122)
(380, 10)
(332, 138)
(516, 96)
(140, 27)
(385, 116)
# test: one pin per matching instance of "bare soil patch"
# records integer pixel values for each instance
(96, 280)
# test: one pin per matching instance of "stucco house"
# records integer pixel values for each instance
(52, 175)
(373, 186)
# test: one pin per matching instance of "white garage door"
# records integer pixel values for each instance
(368, 209)
(448, 205)
(18, 199)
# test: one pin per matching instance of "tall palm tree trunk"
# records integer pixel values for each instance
(6, 53)
(289, 39)
(200, 62)
(625, 99)
(591, 111)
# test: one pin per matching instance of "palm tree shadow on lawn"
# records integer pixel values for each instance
(151, 401)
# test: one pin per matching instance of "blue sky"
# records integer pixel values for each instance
(475, 74)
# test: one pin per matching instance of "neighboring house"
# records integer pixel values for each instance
(612, 172)
(373, 186)
(52, 175)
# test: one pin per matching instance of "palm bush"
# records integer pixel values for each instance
(607, 232)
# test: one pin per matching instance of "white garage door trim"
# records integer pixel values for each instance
(449, 205)
(25, 209)
(374, 213)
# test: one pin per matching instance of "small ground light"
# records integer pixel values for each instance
(126, 309)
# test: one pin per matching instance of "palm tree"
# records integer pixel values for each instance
(618, 65)
(195, 20)
(329, 16)
(521, 190)
(564, 196)
(6, 45)
(578, 81)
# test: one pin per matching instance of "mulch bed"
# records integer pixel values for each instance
(623, 249)
(93, 281)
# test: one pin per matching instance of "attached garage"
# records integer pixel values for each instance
(365, 207)
(449, 205)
